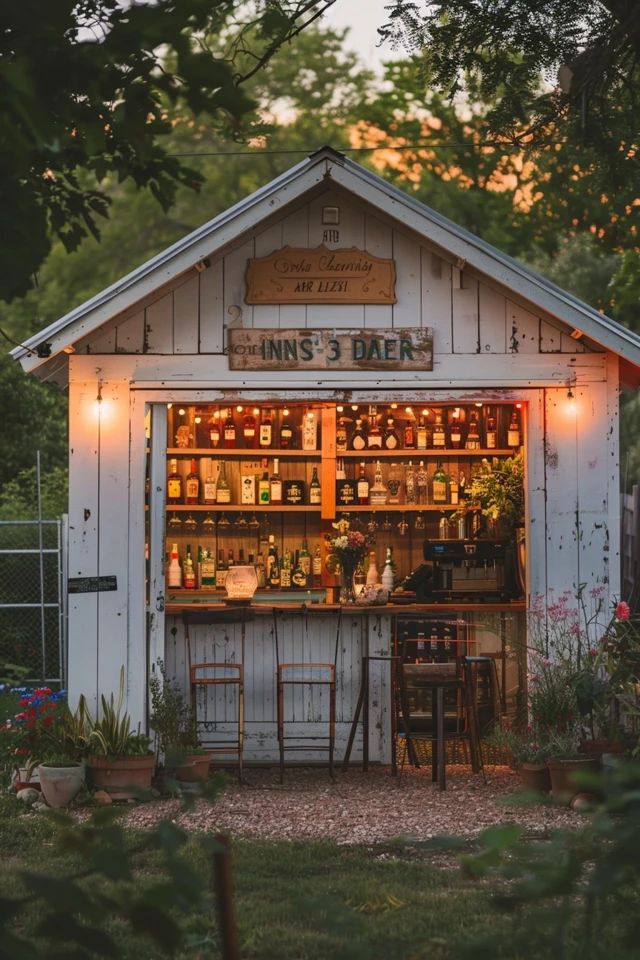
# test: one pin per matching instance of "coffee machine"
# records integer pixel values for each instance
(468, 569)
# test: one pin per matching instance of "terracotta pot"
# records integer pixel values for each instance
(122, 777)
(563, 785)
(535, 776)
(195, 768)
(60, 785)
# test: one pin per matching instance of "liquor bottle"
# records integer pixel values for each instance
(391, 439)
(359, 579)
(341, 435)
(315, 493)
(241, 560)
(272, 556)
(274, 574)
(410, 483)
(374, 434)
(422, 482)
(309, 431)
(209, 485)
(304, 559)
(275, 484)
(264, 484)
(174, 570)
(473, 441)
(285, 570)
(223, 490)
(438, 439)
(174, 483)
(192, 485)
(229, 431)
(214, 429)
(387, 573)
(188, 571)
(513, 433)
(266, 429)
(378, 491)
(221, 570)
(286, 432)
(230, 558)
(393, 483)
(316, 567)
(491, 436)
(260, 572)
(362, 487)
(455, 433)
(421, 434)
(249, 429)
(454, 490)
(373, 577)
(207, 571)
(299, 576)
(409, 435)
(359, 438)
(439, 486)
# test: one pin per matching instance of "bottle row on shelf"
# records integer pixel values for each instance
(244, 427)
(212, 485)
(293, 569)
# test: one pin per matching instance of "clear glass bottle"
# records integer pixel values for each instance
(438, 438)
(341, 434)
(209, 485)
(359, 579)
(422, 483)
(223, 490)
(373, 577)
(309, 431)
(374, 434)
(304, 558)
(378, 492)
(275, 484)
(421, 434)
(387, 573)
(410, 483)
(316, 567)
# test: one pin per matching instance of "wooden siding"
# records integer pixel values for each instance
(468, 314)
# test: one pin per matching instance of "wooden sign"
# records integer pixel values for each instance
(299, 275)
(409, 348)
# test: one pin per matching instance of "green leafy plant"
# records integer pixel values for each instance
(524, 746)
(111, 735)
(172, 718)
(499, 489)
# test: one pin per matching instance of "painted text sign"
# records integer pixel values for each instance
(92, 584)
(263, 349)
(320, 275)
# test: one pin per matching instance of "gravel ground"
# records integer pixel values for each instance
(360, 807)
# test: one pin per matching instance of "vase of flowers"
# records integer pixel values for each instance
(348, 549)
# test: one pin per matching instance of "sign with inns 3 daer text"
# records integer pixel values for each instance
(408, 348)
(320, 275)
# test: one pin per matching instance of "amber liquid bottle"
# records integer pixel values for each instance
(229, 431)
(174, 484)
(192, 485)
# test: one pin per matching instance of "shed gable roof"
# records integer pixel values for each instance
(465, 248)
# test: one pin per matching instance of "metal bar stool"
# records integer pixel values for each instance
(217, 675)
(306, 676)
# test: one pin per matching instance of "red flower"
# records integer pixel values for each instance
(623, 611)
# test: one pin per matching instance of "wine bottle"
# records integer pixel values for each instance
(316, 567)
(229, 431)
(513, 433)
(275, 484)
(209, 485)
(359, 439)
(192, 485)
(438, 440)
(422, 481)
(387, 573)
(214, 429)
(455, 432)
(421, 434)
(377, 491)
(341, 435)
(473, 436)
(174, 483)
(223, 490)
(174, 570)
(221, 570)
(315, 493)
(491, 436)
(249, 429)
(286, 432)
(304, 559)
(188, 571)
(391, 439)
(363, 487)
(439, 485)
(393, 483)
(266, 429)
(285, 570)
(264, 484)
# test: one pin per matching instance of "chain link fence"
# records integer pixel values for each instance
(32, 598)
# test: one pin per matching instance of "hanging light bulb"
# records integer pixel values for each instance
(181, 411)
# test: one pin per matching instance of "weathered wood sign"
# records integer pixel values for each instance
(299, 275)
(263, 349)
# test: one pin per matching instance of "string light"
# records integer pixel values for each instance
(181, 411)
(239, 408)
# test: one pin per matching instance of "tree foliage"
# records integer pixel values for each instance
(84, 98)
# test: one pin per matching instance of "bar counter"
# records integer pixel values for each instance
(176, 606)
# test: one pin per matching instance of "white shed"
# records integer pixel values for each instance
(160, 336)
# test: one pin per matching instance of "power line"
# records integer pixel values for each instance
(496, 145)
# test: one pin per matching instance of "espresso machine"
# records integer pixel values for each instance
(468, 569)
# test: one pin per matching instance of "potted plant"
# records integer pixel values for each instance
(565, 762)
(65, 742)
(175, 726)
(120, 760)
(528, 753)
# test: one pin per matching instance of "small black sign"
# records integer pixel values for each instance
(92, 584)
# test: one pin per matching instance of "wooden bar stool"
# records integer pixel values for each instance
(307, 676)
(219, 675)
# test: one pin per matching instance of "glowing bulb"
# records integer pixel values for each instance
(216, 415)
(519, 406)
(256, 411)
(197, 420)
(181, 411)
(239, 409)
(408, 409)
(339, 409)
(425, 412)
(394, 406)
(354, 406)
(285, 412)
(456, 413)
(477, 403)
(169, 405)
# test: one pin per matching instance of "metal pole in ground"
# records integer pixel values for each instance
(223, 882)
(43, 626)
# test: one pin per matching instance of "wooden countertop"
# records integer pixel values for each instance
(175, 608)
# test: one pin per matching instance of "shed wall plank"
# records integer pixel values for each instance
(159, 325)
(212, 308)
(130, 334)
(186, 316)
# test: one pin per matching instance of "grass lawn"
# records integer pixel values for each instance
(295, 901)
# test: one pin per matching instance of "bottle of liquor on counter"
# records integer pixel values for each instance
(422, 483)
(393, 483)
(409, 432)
(359, 439)
(309, 431)
(192, 484)
(362, 487)
(285, 570)
(249, 429)
(387, 573)
(230, 558)
(378, 492)
(439, 486)
(274, 574)
(272, 556)
(207, 574)
(443, 527)
(491, 434)
(229, 431)
(275, 484)
(316, 567)
(304, 559)
(213, 425)
(299, 577)
(174, 570)
(374, 434)
(265, 437)
(174, 483)
(209, 484)
(473, 441)
(315, 492)
(439, 438)
(513, 433)
(455, 432)
(223, 490)
(421, 434)
(264, 484)
(391, 439)
(221, 570)
(260, 572)
(286, 431)
(373, 577)
(454, 490)
(341, 434)
(188, 571)
(410, 483)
